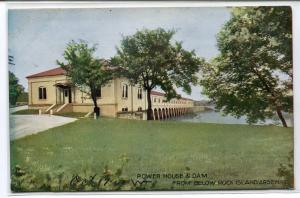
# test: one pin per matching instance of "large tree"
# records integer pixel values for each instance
(151, 59)
(84, 70)
(15, 89)
(252, 76)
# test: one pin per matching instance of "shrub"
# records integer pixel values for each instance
(58, 181)
(287, 172)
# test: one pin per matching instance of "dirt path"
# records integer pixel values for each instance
(24, 125)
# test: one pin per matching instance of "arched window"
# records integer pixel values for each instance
(140, 109)
(140, 91)
(42, 93)
(125, 91)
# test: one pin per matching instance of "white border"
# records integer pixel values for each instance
(141, 4)
(4, 139)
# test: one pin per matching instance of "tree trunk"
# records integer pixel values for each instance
(96, 108)
(149, 109)
(281, 116)
(269, 90)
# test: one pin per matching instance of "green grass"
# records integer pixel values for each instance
(26, 112)
(71, 114)
(222, 151)
(36, 111)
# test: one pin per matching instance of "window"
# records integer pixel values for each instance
(125, 109)
(125, 91)
(140, 109)
(154, 99)
(140, 93)
(42, 93)
(98, 93)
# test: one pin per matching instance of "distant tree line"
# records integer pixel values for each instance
(16, 90)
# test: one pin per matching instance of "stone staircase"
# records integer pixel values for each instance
(56, 108)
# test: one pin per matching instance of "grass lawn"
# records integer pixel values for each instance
(36, 111)
(223, 152)
(26, 112)
(71, 114)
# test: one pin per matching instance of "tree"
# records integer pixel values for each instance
(150, 59)
(252, 76)
(15, 89)
(84, 70)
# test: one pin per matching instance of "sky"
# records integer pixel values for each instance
(37, 38)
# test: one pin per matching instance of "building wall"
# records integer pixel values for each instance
(160, 102)
(132, 102)
(107, 95)
(48, 82)
(82, 108)
(111, 101)
(107, 110)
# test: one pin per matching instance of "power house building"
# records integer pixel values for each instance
(52, 90)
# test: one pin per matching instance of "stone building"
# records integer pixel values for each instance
(52, 91)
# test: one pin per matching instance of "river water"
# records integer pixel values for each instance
(212, 116)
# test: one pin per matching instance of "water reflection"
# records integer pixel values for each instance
(212, 116)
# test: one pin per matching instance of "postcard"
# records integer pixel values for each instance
(151, 99)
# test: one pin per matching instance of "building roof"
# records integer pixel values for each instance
(156, 93)
(51, 72)
(60, 71)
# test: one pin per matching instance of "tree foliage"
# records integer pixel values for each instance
(85, 71)
(15, 89)
(150, 59)
(252, 76)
